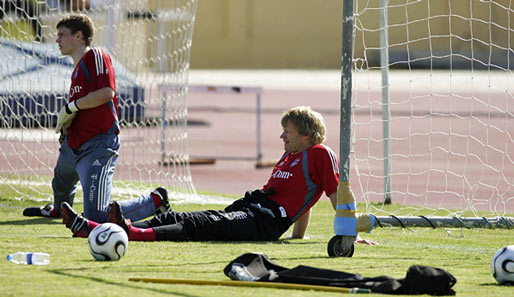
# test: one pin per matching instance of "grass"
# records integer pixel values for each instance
(72, 272)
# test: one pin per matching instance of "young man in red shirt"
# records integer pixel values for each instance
(89, 127)
(306, 170)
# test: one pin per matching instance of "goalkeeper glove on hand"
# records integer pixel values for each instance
(66, 115)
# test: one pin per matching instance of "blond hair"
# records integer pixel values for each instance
(307, 122)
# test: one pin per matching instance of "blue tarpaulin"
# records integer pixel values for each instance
(35, 81)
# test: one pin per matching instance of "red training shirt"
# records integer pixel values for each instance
(300, 179)
(93, 72)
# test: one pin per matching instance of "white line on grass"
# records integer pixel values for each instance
(127, 192)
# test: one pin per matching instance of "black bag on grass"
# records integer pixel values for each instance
(428, 280)
(419, 279)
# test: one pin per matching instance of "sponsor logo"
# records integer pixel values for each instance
(282, 174)
(96, 163)
(237, 215)
(92, 188)
(75, 90)
(215, 218)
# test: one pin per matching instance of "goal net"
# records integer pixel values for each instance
(433, 106)
(150, 44)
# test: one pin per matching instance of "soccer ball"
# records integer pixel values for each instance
(108, 242)
(502, 265)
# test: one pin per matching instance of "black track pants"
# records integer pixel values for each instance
(241, 223)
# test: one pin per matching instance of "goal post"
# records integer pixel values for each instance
(154, 50)
(384, 65)
(432, 111)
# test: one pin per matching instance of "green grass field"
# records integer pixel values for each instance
(72, 272)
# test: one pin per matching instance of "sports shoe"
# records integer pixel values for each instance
(116, 216)
(165, 204)
(40, 211)
(77, 223)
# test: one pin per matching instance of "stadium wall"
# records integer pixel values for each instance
(271, 34)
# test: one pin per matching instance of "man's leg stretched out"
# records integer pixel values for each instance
(241, 224)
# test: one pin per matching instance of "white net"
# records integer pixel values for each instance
(450, 106)
(150, 44)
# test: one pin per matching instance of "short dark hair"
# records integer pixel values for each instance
(78, 22)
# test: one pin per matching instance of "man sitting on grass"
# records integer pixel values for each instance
(306, 170)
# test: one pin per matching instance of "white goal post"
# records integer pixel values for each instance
(150, 43)
(432, 111)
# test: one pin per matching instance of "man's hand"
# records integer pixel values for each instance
(365, 241)
(66, 116)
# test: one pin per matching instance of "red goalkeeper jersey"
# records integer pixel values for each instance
(300, 179)
(93, 72)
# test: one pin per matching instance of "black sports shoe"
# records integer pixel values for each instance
(165, 206)
(39, 211)
(77, 223)
(116, 216)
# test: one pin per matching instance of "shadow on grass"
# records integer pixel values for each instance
(114, 283)
(280, 242)
(494, 285)
(34, 221)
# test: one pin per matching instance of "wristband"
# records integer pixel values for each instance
(72, 107)
(68, 110)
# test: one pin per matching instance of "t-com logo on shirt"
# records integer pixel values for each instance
(282, 174)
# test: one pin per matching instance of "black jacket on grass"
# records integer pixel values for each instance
(418, 280)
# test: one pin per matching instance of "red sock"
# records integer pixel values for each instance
(138, 234)
(54, 213)
(156, 200)
(92, 225)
